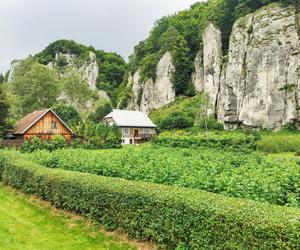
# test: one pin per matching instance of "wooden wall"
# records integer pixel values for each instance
(44, 130)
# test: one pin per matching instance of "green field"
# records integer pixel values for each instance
(29, 224)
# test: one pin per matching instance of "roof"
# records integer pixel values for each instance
(29, 120)
(126, 118)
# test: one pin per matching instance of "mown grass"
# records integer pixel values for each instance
(29, 224)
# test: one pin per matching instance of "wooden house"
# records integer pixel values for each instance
(136, 126)
(44, 124)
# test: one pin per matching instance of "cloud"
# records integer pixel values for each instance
(29, 26)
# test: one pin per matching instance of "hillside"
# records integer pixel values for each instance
(237, 58)
(65, 72)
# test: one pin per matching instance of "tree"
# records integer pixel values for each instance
(1, 78)
(68, 114)
(35, 86)
(4, 108)
(103, 109)
(181, 77)
(76, 89)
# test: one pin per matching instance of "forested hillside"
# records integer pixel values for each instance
(65, 74)
(176, 59)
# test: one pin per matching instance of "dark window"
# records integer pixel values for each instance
(130, 141)
(53, 125)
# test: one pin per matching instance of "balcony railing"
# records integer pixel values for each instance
(143, 136)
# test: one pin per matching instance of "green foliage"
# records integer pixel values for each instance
(176, 120)
(100, 136)
(103, 109)
(168, 215)
(112, 67)
(58, 142)
(183, 63)
(281, 142)
(181, 35)
(215, 165)
(188, 107)
(4, 112)
(62, 47)
(52, 229)
(210, 122)
(68, 114)
(34, 87)
(76, 88)
(1, 78)
(148, 66)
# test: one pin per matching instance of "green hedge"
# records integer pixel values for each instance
(246, 144)
(168, 215)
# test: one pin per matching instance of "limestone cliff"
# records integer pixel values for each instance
(261, 87)
(257, 84)
(153, 94)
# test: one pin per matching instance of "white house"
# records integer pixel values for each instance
(136, 126)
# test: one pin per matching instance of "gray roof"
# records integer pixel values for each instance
(126, 118)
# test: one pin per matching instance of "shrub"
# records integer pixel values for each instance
(279, 143)
(170, 216)
(175, 120)
(101, 135)
(58, 142)
(225, 170)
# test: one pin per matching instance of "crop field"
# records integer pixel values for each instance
(235, 174)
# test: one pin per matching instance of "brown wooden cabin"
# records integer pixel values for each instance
(44, 124)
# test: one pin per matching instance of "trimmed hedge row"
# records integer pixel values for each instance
(247, 144)
(171, 216)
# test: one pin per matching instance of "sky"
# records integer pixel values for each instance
(28, 26)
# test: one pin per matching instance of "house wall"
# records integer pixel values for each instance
(129, 136)
(43, 129)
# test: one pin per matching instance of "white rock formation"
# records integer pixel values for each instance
(212, 62)
(198, 75)
(160, 92)
(90, 70)
(11, 73)
(154, 94)
(262, 77)
(137, 89)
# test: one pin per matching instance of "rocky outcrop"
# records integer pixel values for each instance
(212, 63)
(137, 89)
(12, 70)
(262, 78)
(154, 94)
(88, 69)
(198, 75)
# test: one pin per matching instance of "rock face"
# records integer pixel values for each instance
(198, 75)
(256, 85)
(89, 69)
(153, 94)
(212, 63)
(262, 83)
(12, 69)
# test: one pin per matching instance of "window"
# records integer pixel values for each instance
(146, 131)
(125, 131)
(53, 125)
(130, 141)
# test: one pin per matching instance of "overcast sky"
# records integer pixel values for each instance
(28, 26)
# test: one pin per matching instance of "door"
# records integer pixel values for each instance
(136, 133)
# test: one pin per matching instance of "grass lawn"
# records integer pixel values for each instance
(30, 224)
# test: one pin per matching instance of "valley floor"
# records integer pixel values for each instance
(29, 224)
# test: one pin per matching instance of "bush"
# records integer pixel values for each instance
(211, 123)
(168, 215)
(101, 135)
(58, 142)
(175, 120)
(279, 143)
